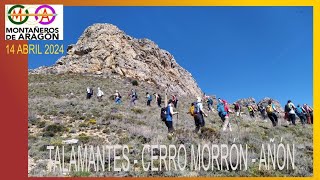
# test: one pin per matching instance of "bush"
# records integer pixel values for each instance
(83, 125)
(84, 138)
(137, 111)
(41, 124)
(135, 83)
(32, 119)
(92, 121)
(81, 174)
(53, 129)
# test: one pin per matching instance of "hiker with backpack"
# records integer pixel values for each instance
(262, 111)
(175, 100)
(223, 112)
(290, 109)
(251, 110)
(117, 97)
(300, 113)
(309, 113)
(149, 99)
(133, 97)
(271, 109)
(210, 103)
(168, 114)
(89, 92)
(99, 94)
(197, 112)
(237, 109)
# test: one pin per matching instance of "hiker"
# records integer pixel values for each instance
(210, 103)
(309, 113)
(149, 99)
(262, 111)
(89, 92)
(169, 114)
(99, 94)
(270, 112)
(175, 100)
(158, 100)
(251, 110)
(117, 97)
(290, 108)
(133, 95)
(192, 113)
(223, 111)
(300, 113)
(199, 114)
(237, 109)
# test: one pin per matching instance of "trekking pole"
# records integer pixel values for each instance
(177, 120)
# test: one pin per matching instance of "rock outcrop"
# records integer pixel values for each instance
(264, 102)
(103, 49)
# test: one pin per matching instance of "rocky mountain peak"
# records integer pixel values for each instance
(106, 50)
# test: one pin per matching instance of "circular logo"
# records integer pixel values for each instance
(45, 15)
(12, 13)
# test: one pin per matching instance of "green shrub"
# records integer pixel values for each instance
(41, 124)
(92, 121)
(83, 125)
(83, 138)
(137, 110)
(106, 131)
(53, 129)
(56, 142)
(134, 83)
(80, 174)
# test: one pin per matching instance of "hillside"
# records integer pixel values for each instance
(58, 111)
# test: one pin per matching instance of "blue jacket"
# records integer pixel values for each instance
(168, 114)
(220, 107)
(299, 111)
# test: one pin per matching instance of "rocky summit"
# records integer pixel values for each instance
(104, 49)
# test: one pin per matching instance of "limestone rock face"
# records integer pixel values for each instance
(264, 102)
(103, 49)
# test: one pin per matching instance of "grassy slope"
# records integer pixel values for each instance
(104, 122)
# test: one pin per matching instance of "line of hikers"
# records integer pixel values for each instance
(133, 97)
(305, 113)
(196, 110)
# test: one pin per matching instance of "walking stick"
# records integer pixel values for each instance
(177, 120)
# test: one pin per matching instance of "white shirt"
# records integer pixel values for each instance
(100, 93)
(200, 106)
(291, 105)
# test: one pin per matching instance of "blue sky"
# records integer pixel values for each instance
(232, 52)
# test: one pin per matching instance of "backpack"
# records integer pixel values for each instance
(269, 108)
(163, 114)
(237, 106)
(119, 95)
(191, 110)
(287, 108)
(196, 109)
(135, 95)
(210, 101)
(221, 109)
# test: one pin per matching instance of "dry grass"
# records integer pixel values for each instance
(55, 115)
